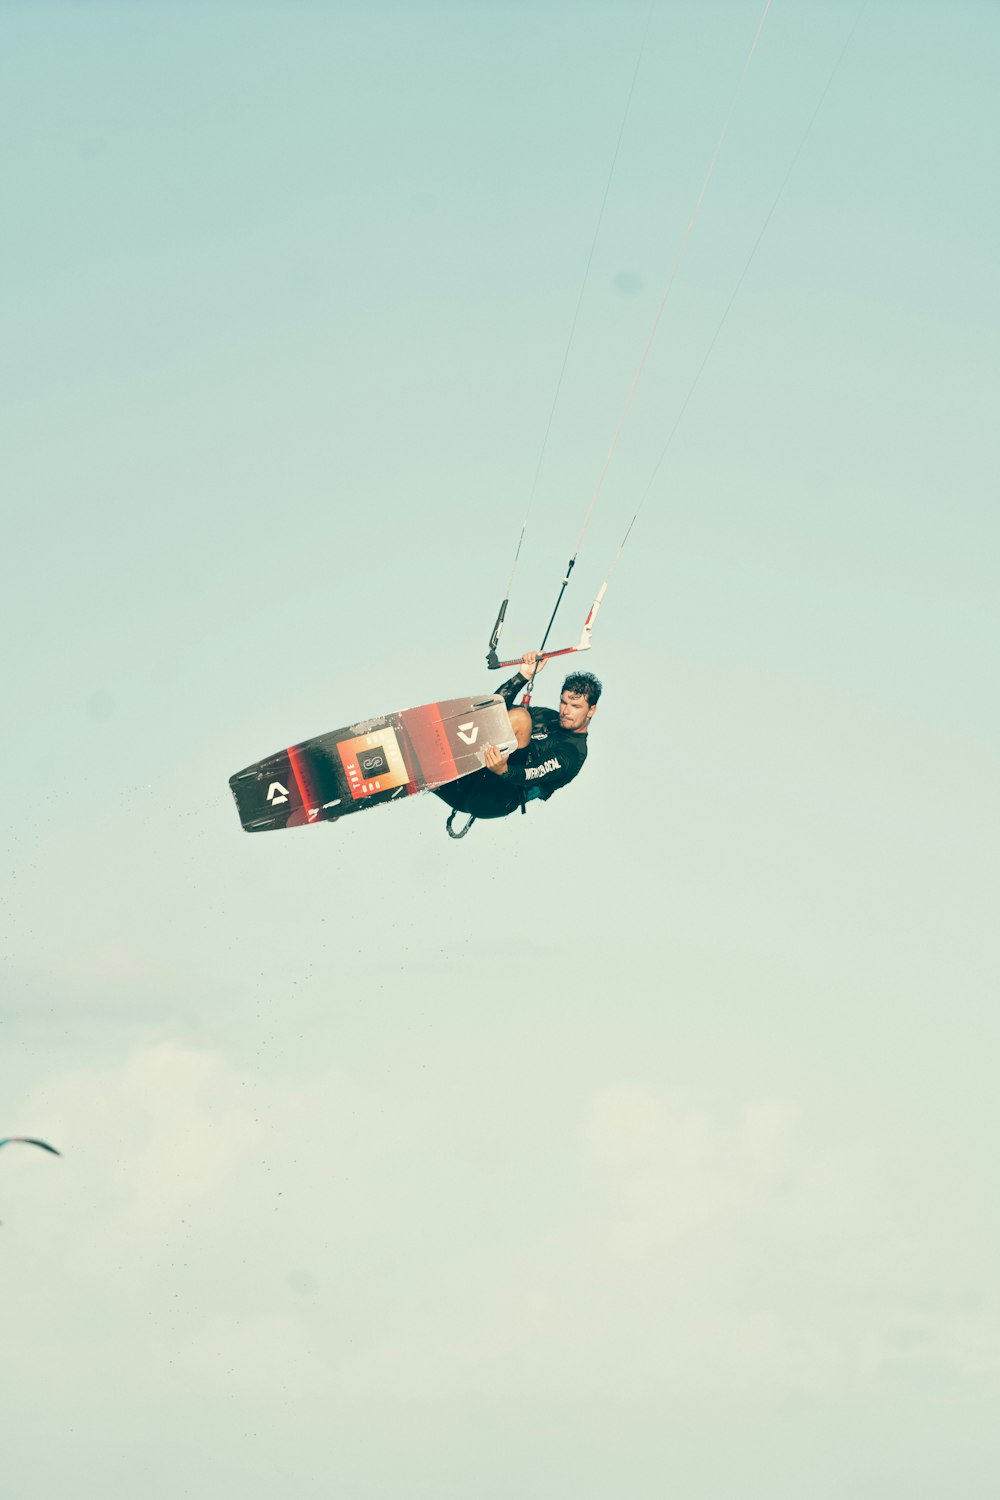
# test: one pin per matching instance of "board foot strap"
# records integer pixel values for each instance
(462, 831)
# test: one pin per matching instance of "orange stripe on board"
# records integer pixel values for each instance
(298, 771)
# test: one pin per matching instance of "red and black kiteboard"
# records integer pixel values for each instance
(380, 760)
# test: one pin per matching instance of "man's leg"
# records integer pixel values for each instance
(520, 722)
(454, 793)
(481, 790)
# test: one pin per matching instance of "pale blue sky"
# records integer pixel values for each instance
(641, 1146)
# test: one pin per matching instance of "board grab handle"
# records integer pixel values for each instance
(493, 662)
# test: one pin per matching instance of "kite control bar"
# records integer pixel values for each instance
(583, 644)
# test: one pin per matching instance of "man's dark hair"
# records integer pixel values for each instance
(586, 684)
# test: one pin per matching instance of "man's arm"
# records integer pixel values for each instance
(509, 690)
(558, 769)
(525, 673)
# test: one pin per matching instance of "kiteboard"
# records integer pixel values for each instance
(367, 764)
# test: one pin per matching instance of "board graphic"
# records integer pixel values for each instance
(367, 764)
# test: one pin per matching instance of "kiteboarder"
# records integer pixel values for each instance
(551, 750)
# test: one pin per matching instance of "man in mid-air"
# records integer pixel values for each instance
(551, 749)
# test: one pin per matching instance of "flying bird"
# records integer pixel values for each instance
(29, 1140)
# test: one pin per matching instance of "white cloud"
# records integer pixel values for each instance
(240, 1244)
(671, 1172)
(155, 1136)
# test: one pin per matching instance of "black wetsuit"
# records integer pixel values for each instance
(550, 760)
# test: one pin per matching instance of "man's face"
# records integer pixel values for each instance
(575, 712)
